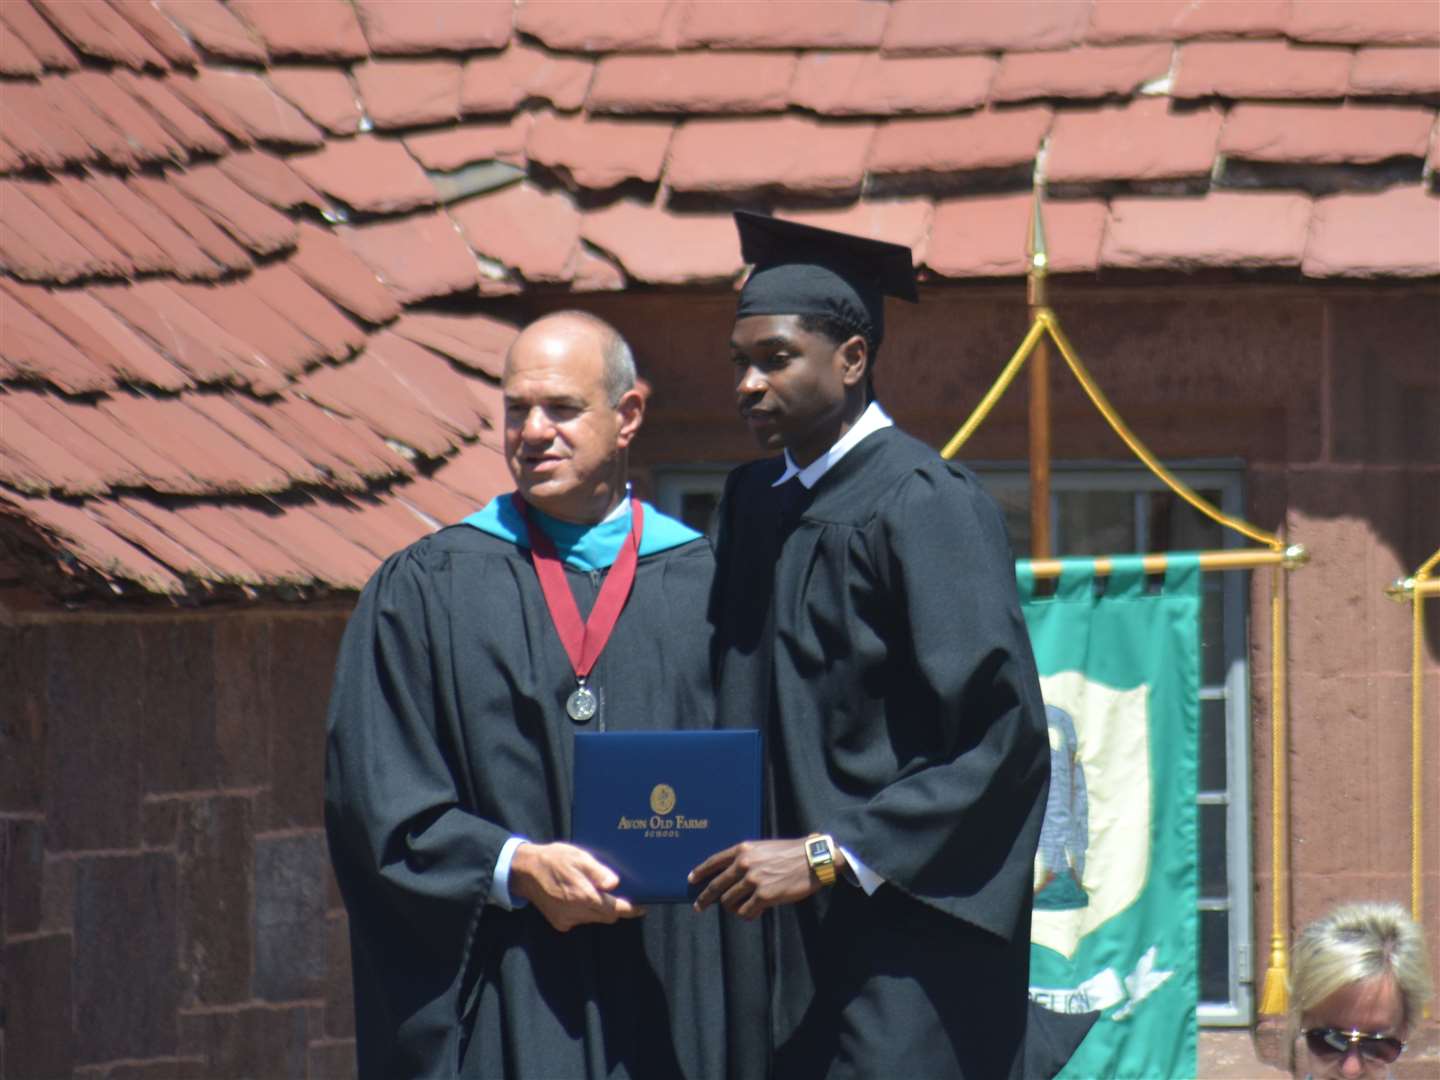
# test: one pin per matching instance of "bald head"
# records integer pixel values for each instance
(571, 410)
(581, 331)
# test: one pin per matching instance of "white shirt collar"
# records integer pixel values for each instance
(622, 507)
(873, 419)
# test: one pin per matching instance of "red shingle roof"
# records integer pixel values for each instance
(238, 240)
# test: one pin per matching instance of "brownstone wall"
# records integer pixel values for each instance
(167, 908)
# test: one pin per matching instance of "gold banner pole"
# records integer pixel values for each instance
(1275, 992)
(1040, 547)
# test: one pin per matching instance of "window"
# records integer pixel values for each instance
(1104, 510)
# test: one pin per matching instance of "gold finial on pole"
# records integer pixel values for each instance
(1038, 257)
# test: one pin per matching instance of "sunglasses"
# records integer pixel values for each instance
(1332, 1042)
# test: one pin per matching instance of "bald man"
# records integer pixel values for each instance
(483, 943)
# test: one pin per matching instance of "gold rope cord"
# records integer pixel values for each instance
(1274, 997)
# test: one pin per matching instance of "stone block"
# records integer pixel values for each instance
(303, 652)
(215, 860)
(36, 979)
(126, 989)
(179, 730)
(253, 1042)
(57, 900)
(339, 987)
(290, 917)
(1385, 385)
(244, 699)
(159, 818)
(22, 718)
(22, 864)
(332, 1059)
(96, 711)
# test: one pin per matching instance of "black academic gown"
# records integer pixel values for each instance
(872, 626)
(447, 734)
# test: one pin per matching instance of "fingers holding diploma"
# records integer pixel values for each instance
(568, 885)
(758, 874)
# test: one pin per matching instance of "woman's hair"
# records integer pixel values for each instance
(1356, 943)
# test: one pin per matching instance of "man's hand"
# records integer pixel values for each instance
(568, 885)
(758, 874)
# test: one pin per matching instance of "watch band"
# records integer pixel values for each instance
(820, 854)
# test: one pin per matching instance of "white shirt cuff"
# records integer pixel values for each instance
(866, 878)
(500, 880)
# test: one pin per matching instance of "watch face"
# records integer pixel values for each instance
(819, 849)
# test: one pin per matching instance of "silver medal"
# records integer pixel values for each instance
(581, 705)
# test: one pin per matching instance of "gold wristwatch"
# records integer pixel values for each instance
(820, 853)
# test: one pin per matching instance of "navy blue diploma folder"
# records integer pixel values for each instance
(652, 805)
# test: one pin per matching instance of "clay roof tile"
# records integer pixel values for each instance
(984, 236)
(1375, 234)
(46, 304)
(523, 228)
(984, 25)
(16, 57)
(141, 130)
(35, 449)
(1144, 140)
(93, 544)
(377, 176)
(27, 24)
(156, 29)
(269, 178)
(580, 26)
(499, 82)
(33, 349)
(325, 95)
(697, 82)
(405, 27)
(288, 294)
(1396, 72)
(1313, 134)
(598, 153)
(239, 99)
(945, 145)
(97, 30)
(662, 248)
(785, 24)
(417, 257)
(35, 124)
(334, 270)
(134, 361)
(755, 153)
(210, 25)
(1087, 72)
(476, 341)
(860, 84)
(365, 388)
(134, 214)
(1365, 22)
(196, 223)
(1261, 69)
(183, 123)
(1230, 229)
(1115, 21)
(260, 228)
(35, 247)
(456, 146)
(328, 31)
(409, 93)
(896, 221)
(106, 259)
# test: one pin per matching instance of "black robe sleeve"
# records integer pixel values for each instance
(956, 826)
(393, 808)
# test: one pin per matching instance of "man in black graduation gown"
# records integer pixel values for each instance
(482, 943)
(867, 616)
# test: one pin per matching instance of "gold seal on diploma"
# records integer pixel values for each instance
(662, 798)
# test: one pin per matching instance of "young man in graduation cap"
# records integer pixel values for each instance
(483, 944)
(867, 617)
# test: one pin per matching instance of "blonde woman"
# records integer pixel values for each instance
(1359, 985)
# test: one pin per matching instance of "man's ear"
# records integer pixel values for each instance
(631, 408)
(854, 357)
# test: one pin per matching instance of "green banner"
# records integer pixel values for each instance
(1115, 919)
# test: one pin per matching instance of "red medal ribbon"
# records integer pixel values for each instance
(583, 642)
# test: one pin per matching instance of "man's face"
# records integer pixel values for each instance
(563, 437)
(790, 384)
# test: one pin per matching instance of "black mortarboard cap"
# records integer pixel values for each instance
(802, 270)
